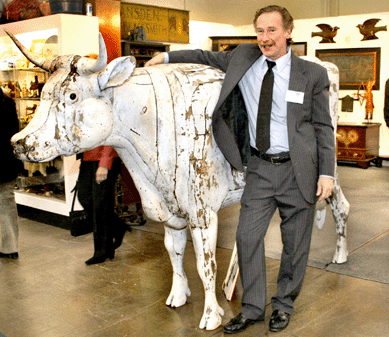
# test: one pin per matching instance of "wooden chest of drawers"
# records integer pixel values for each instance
(359, 142)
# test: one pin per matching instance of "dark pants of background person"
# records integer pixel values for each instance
(9, 229)
(99, 202)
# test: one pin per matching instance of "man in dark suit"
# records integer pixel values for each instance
(290, 174)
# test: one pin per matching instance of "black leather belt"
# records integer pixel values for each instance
(276, 159)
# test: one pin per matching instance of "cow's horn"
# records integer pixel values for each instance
(37, 60)
(94, 66)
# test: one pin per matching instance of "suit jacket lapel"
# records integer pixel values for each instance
(238, 67)
(297, 82)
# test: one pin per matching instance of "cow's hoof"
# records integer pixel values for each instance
(179, 294)
(176, 300)
(341, 252)
(212, 318)
(340, 257)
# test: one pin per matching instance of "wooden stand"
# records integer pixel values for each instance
(143, 51)
(359, 142)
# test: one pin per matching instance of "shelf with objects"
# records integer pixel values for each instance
(45, 186)
(143, 51)
(24, 86)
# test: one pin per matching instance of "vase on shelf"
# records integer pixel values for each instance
(67, 6)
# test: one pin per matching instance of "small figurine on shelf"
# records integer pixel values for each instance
(130, 35)
(24, 90)
(368, 96)
(140, 34)
(34, 87)
(12, 89)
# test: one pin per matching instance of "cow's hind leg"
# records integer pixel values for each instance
(175, 242)
(204, 243)
(340, 210)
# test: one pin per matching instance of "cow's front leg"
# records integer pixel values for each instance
(204, 242)
(175, 241)
(340, 210)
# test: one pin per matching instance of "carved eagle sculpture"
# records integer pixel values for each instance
(327, 34)
(368, 29)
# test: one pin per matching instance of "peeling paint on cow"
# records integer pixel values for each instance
(189, 113)
(57, 132)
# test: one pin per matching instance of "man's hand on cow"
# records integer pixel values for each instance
(158, 59)
(101, 174)
(325, 185)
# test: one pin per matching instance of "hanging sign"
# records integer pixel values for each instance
(160, 23)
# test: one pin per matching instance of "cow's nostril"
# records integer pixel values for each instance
(21, 147)
(20, 142)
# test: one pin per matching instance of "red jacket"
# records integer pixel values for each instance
(103, 154)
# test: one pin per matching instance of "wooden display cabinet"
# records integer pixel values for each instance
(143, 51)
(359, 143)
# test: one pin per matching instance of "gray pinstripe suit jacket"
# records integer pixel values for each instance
(310, 130)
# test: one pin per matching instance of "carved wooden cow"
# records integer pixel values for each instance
(159, 121)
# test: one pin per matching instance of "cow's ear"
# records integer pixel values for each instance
(117, 72)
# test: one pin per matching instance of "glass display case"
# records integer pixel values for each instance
(48, 36)
(24, 86)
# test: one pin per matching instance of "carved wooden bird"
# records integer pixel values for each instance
(327, 34)
(368, 29)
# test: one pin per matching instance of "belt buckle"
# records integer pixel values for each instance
(275, 162)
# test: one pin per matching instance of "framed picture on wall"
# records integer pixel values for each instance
(356, 65)
(228, 43)
(299, 48)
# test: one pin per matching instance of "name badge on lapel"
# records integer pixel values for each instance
(294, 96)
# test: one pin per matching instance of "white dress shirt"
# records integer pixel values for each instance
(250, 86)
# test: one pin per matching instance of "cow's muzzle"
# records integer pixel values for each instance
(21, 149)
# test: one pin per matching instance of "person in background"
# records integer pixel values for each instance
(386, 103)
(99, 170)
(10, 169)
(289, 150)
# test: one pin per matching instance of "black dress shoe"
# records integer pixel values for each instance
(99, 259)
(13, 256)
(279, 321)
(239, 323)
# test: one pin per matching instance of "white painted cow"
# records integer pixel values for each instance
(159, 121)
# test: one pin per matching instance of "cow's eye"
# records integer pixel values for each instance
(73, 96)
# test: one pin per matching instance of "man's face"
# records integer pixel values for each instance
(272, 38)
